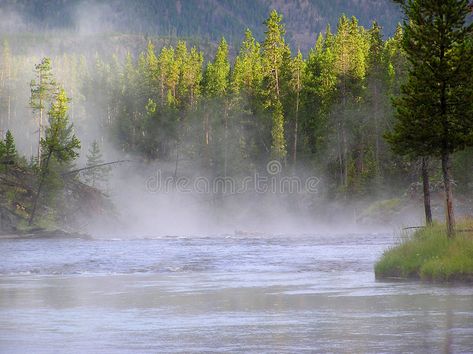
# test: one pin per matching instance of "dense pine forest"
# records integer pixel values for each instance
(323, 113)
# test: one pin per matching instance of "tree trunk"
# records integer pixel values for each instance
(207, 139)
(340, 159)
(345, 156)
(450, 219)
(294, 147)
(426, 188)
(226, 140)
(40, 187)
(40, 125)
(177, 164)
(376, 128)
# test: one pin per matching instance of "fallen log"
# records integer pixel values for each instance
(95, 166)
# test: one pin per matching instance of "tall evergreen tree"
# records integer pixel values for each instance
(350, 50)
(10, 153)
(297, 68)
(59, 143)
(276, 56)
(216, 88)
(94, 174)
(217, 73)
(247, 72)
(434, 110)
(377, 75)
(318, 93)
(43, 88)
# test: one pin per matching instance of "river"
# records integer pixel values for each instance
(221, 293)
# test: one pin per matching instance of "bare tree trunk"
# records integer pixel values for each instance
(345, 156)
(426, 188)
(376, 127)
(339, 150)
(450, 219)
(40, 118)
(177, 163)
(296, 123)
(226, 141)
(344, 137)
(207, 139)
(40, 187)
(40, 125)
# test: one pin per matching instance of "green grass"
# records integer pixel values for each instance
(429, 255)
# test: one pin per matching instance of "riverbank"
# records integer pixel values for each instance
(429, 255)
(43, 233)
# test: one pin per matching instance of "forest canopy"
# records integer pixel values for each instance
(323, 113)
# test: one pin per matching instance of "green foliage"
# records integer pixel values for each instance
(230, 116)
(434, 111)
(275, 55)
(59, 141)
(276, 61)
(9, 153)
(217, 72)
(430, 255)
(43, 86)
(382, 211)
(59, 148)
(95, 175)
(278, 148)
(248, 69)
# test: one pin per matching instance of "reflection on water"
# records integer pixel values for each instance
(308, 293)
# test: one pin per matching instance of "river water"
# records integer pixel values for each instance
(222, 293)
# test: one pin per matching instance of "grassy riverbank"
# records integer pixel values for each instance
(429, 255)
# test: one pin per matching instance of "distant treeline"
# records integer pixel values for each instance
(207, 19)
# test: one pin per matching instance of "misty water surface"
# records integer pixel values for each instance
(222, 293)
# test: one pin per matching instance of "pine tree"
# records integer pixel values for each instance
(169, 74)
(151, 69)
(246, 81)
(278, 147)
(434, 111)
(396, 61)
(94, 173)
(42, 88)
(217, 73)
(350, 48)
(10, 154)
(319, 91)
(216, 89)
(297, 68)
(247, 72)
(191, 76)
(276, 56)
(59, 143)
(376, 79)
